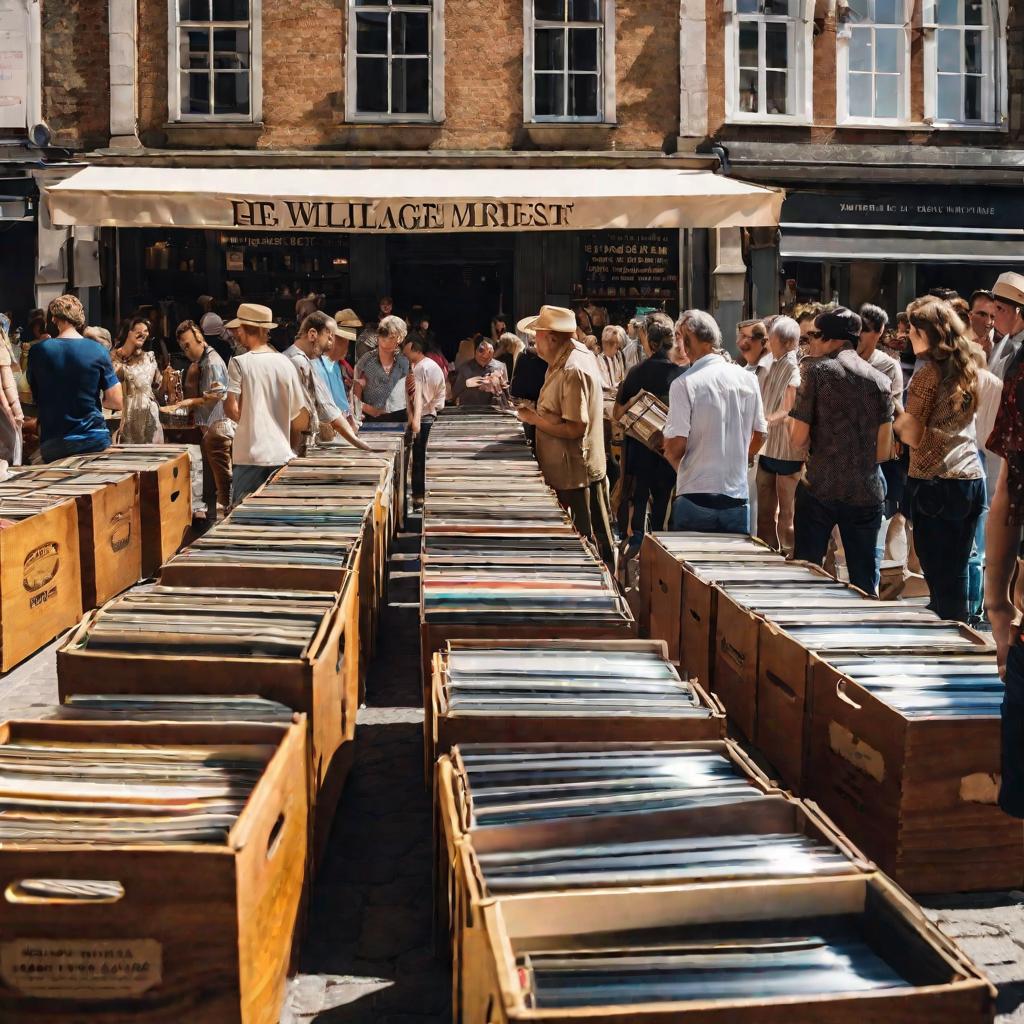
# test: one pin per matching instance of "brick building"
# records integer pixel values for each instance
(864, 110)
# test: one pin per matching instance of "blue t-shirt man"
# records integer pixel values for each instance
(67, 377)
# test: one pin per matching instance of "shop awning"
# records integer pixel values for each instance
(846, 243)
(410, 200)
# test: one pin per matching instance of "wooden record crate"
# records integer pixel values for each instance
(453, 826)
(444, 728)
(773, 813)
(202, 933)
(784, 698)
(920, 794)
(945, 987)
(40, 581)
(661, 581)
(323, 685)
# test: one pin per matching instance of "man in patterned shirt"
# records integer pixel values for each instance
(844, 410)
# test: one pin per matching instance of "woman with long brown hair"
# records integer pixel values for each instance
(946, 487)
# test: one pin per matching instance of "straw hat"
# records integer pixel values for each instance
(1010, 287)
(348, 324)
(550, 318)
(252, 315)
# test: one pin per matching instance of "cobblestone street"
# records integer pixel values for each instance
(368, 955)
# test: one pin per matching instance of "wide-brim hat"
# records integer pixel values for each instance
(550, 318)
(1010, 287)
(348, 324)
(252, 315)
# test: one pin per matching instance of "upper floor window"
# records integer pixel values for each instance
(213, 46)
(569, 56)
(963, 72)
(395, 60)
(874, 55)
(767, 47)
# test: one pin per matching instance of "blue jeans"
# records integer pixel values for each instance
(813, 523)
(246, 479)
(689, 517)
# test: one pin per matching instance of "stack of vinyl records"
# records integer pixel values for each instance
(32, 490)
(123, 707)
(133, 457)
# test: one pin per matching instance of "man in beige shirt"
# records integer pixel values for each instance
(570, 426)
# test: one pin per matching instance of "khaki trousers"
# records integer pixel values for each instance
(590, 510)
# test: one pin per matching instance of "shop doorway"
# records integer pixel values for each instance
(460, 297)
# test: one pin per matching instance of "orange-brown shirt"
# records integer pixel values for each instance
(948, 448)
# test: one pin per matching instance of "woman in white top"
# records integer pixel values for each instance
(611, 362)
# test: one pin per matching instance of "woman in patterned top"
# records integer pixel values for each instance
(946, 488)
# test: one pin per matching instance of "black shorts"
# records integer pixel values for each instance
(779, 467)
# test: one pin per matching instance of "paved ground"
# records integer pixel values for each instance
(368, 957)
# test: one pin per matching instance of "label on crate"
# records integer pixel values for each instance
(120, 527)
(40, 566)
(81, 968)
(856, 751)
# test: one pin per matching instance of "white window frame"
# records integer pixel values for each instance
(843, 37)
(175, 27)
(605, 73)
(994, 75)
(801, 57)
(435, 65)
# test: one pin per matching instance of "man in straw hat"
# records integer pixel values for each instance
(1008, 338)
(265, 399)
(569, 419)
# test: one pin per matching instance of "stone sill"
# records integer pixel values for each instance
(197, 133)
(569, 134)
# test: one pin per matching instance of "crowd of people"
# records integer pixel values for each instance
(832, 435)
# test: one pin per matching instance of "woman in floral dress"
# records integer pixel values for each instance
(137, 369)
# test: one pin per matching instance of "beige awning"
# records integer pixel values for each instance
(410, 200)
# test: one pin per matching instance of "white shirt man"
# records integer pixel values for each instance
(427, 400)
(715, 424)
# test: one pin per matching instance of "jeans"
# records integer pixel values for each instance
(246, 479)
(690, 517)
(419, 457)
(814, 521)
(945, 515)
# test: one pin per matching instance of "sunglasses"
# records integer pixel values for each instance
(810, 336)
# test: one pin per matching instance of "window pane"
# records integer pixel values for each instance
(410, 33)
(748, 91)
(748, 45)
(195, 93)
(887, 101)
(860, 49)
(197, 48)
(231, 49)
(549, 97)
(747, 7)
(194, 10)
(776, 7)
(776, 45)
(860, 96)
(974, 12)
(775, 87)
(887, 12)
(231, 93)
(860, 10)
(549, 49)
(583, 95)
(410, 86)
(887, 41)
(973, 53)
(371, 32)
(371, 85)
(549, 10)
(583, 49)
(584, 10)
(230, 10)
(972, 99)
(949, 97)
(947, 12)
(949, 50)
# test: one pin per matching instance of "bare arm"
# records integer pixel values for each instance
(9, 403)
(799, 432)
(233, 406)
(675, 449)
(757, 439)
(788, 400)
(1002, 541)
(909, 428)
(113, 398)
(884, 443)
(343, 427)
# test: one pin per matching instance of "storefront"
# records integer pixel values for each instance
(891, 243)
(460, 243)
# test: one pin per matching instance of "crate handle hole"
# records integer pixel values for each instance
(787, 690)
(175, 495)
(845, 697)
(63, 891)
(274, 839)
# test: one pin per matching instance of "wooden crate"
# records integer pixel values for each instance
(946, 987)
(773, 813)
(444, 729)
(453, 825)
(110, 538)
(784, 704)
(321, 685)
(40, 581)
(918, 793)
(215, 924)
